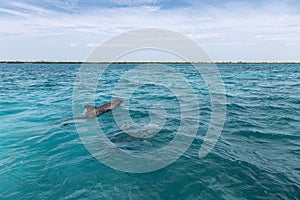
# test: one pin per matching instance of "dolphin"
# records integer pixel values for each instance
(93, 111)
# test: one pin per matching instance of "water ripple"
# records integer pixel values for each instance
(256, 157)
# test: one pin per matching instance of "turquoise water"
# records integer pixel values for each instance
(256, 157)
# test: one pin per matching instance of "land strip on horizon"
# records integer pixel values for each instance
(141, 62)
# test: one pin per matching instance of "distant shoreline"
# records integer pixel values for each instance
(138, 62)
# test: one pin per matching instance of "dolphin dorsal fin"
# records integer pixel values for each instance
(89, 107)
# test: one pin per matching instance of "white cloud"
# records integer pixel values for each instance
(12, 12)
(223, 27)
(133, 2)
(73, 45)
(91, 44)
(28, 7)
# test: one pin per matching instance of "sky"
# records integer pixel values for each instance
(228, 30)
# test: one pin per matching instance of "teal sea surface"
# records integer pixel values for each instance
(256, 157)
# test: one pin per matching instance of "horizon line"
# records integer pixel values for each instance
(148, 62)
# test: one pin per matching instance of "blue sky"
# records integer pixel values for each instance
(59, 30)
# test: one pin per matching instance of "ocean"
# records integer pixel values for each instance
(257, 155)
